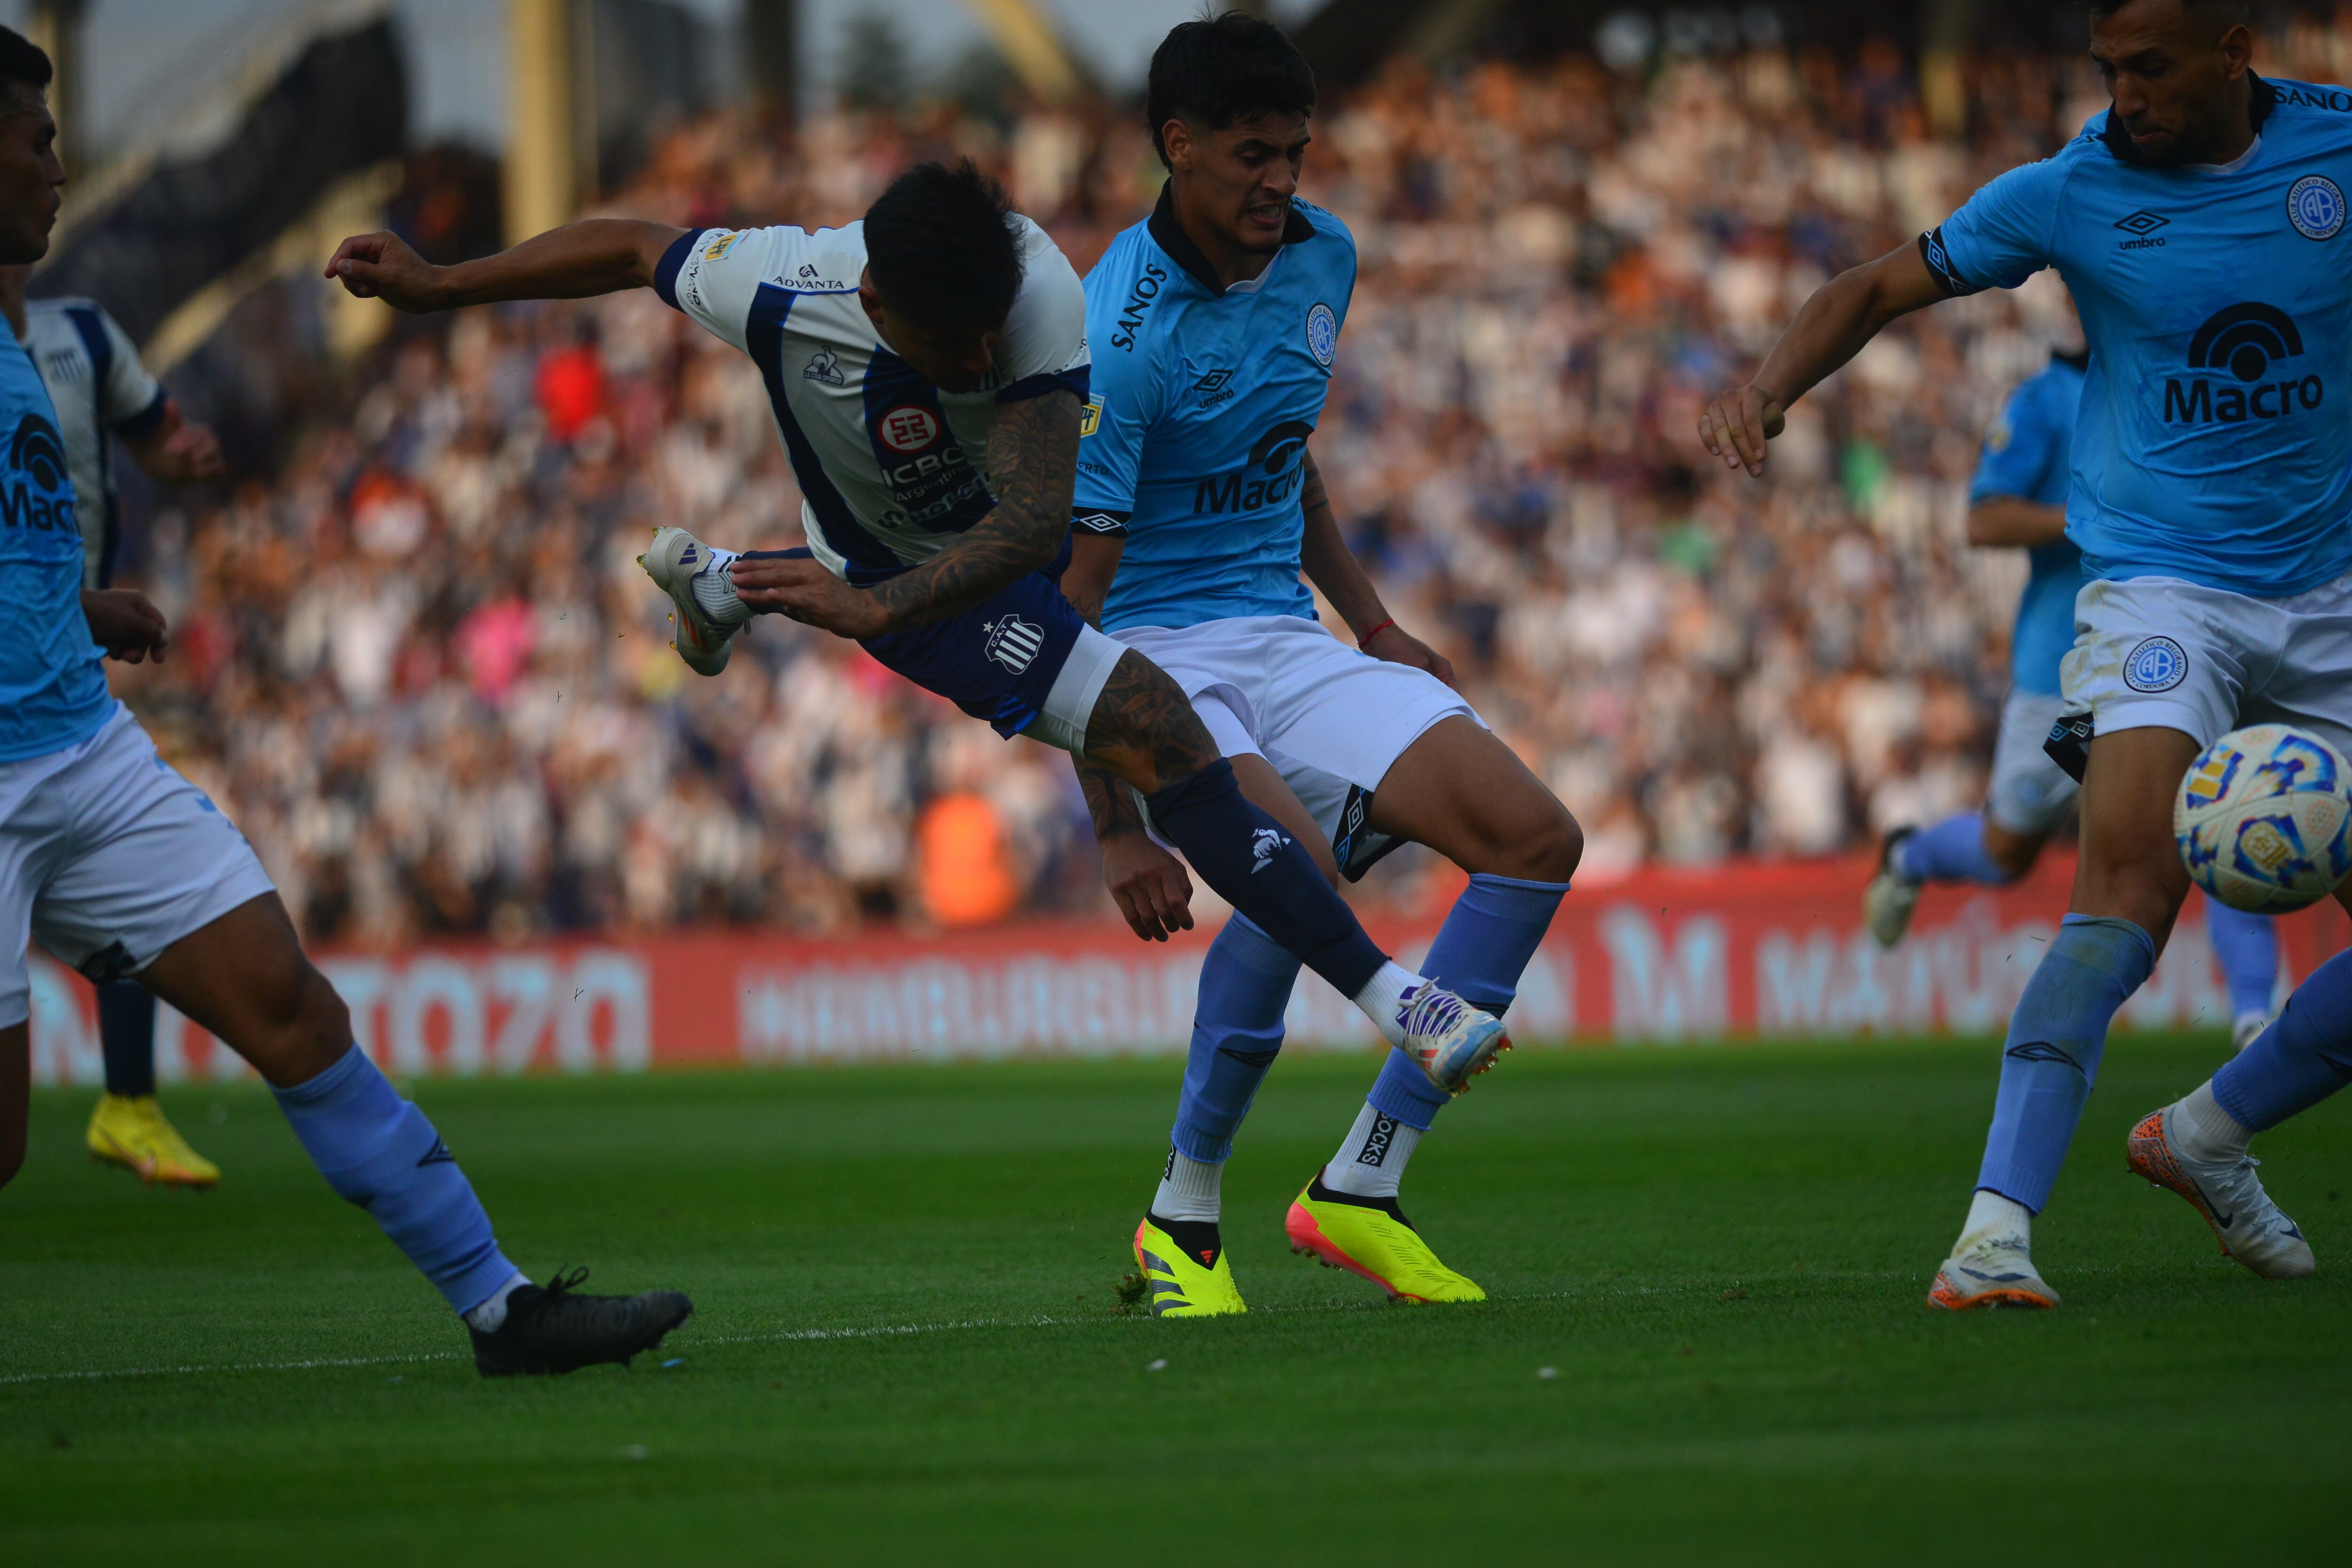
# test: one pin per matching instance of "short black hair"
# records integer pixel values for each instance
(2228, 12)
(1219, 69)
(940, 245)
(23, 63)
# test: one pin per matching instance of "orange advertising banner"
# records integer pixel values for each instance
(1669, 957)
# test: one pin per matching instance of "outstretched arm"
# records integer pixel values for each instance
(176, 452)
(1033, 457)
(1332, 567)
(1844, 315)
(595, 256)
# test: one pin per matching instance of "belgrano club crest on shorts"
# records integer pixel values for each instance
(1013, 642)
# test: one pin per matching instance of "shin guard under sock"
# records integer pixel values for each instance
(1245, 984)
(2051, 1056)
(377, 1150)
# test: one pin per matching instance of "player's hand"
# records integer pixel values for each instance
(1737, 425)
(1397, 645)
(126, 624)
(382, 267)
(800, 588)
(189, 452)
(1148, 884)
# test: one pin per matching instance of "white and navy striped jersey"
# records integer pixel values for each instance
(101, 391)
(890, 468)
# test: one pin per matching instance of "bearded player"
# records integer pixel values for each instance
(1216, 324)
(2211, 496)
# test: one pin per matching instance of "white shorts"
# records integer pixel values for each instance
(2030, 793)
(2157, 652)
(1330, 719)
(107, 857)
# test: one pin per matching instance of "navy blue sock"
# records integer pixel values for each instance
(1951, 850)
(1245, 982)
(126, 1034)
(1266, 875)
(2248, 948)
(1480, 952)
(379, 1152)
(2301, 1059)
(2051, 1056)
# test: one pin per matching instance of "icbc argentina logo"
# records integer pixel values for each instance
(907, 428)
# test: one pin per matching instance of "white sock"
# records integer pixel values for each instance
(2201, 1129)
(714, 589)
(1991, 1216)
(1371, 1158)
(1384, 998)
(491, 1315)
(1189, 1189)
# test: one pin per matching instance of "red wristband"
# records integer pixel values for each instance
(1376, 631)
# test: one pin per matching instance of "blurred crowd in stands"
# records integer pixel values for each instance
(419, 664)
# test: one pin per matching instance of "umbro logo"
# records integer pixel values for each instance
(1214, 387)
(2142, 222)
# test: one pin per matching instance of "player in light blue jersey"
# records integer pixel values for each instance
(119, 866)
(1216, 324)
(2200, 224)
(2018, 499)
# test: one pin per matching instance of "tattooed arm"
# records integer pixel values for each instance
(1148, 885)
(1032, 469)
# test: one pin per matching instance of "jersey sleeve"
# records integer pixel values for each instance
(2020, 449)
(1127, 399)
(132, 402)
(2001, 237)
(712, 275)
(1045, 345)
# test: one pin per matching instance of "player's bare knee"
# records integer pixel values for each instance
(1538, 842)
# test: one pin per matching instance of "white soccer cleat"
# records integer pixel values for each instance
(674, 560)
(2247, 1029)
(2251, 1228)
(1887, 902)
(1452, 1041)
(1992, 1271)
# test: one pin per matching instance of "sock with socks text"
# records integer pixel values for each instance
(1372, 1159)
(2051, 1055)
(378, 1151)
(1189, 1189)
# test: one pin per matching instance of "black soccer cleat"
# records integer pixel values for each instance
(553, 1328)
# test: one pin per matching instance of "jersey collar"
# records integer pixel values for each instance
(1170, 235)
(2261, 99)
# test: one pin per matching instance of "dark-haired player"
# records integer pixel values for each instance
(925, 368)
(102, 395)
(1216, 324)
(2200, 225)
(122, 866)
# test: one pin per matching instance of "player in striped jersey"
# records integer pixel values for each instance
(102, 395)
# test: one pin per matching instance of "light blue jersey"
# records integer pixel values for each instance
(52, 692)
(1194, 442)
(2026, 458)
(2213, 442)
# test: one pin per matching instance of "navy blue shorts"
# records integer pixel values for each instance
(997, 660)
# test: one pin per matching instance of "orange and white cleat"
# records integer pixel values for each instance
(2252, 1229)
(1992, 1271)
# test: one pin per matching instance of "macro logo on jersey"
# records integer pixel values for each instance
(2156, 664)
(1139, 297)
(2315, 206)
(2241, 347)
(1322, 334)
(1247, 489)
(35, 492)
(1012, 642)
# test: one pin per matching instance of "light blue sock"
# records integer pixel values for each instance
(377, 1151)
(2301, 1059)
(2052, 1057)
(1480, 952)
(1245, 982)
(2247, 946)
(1951, 850)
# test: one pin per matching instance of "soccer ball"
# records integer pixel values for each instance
(2263, 819)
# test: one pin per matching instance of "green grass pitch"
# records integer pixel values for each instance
(906, 1348)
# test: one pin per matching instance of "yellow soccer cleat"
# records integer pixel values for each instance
(1371, 1236)
(1184, 1269)
(127, 1130)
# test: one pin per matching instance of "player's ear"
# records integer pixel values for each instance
(870, 301)
(1177, 138)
